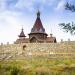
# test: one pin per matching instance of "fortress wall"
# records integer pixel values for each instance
(38, 49)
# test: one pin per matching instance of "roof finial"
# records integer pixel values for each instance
(22, 28)
(22, 33)
(38, 14)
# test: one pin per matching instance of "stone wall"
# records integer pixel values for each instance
(64, 50)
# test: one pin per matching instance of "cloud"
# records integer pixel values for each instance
(24, 4)
(60, 5)
(8, 17)
(10, 26)
(7, 4)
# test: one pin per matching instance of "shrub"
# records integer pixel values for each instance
(14, 71)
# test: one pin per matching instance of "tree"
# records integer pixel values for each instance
(69, 27)
(70, 7)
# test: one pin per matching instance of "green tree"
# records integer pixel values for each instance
(69, 27)
(70, 7)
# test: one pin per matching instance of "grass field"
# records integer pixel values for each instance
(37, 66)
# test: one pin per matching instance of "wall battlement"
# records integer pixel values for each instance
(50, 50)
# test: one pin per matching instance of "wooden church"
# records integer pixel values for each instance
(37, 34)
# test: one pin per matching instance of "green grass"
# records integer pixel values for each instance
(37, 66)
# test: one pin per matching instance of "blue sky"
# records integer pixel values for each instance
(17, 13)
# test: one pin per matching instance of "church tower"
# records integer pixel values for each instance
(38, 33)
(22, 35)
(21, 38)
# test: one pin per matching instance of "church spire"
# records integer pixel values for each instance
(38, 14)
(38, 27)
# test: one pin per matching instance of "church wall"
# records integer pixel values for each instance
(50, 50)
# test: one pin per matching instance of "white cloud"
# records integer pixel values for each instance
(32, 4)
(25, 4)
(9, 26)
(60, 5)
(9, 18)
(22, 4)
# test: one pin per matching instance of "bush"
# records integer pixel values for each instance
(14, 71)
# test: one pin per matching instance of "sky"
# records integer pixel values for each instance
(15, 14)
